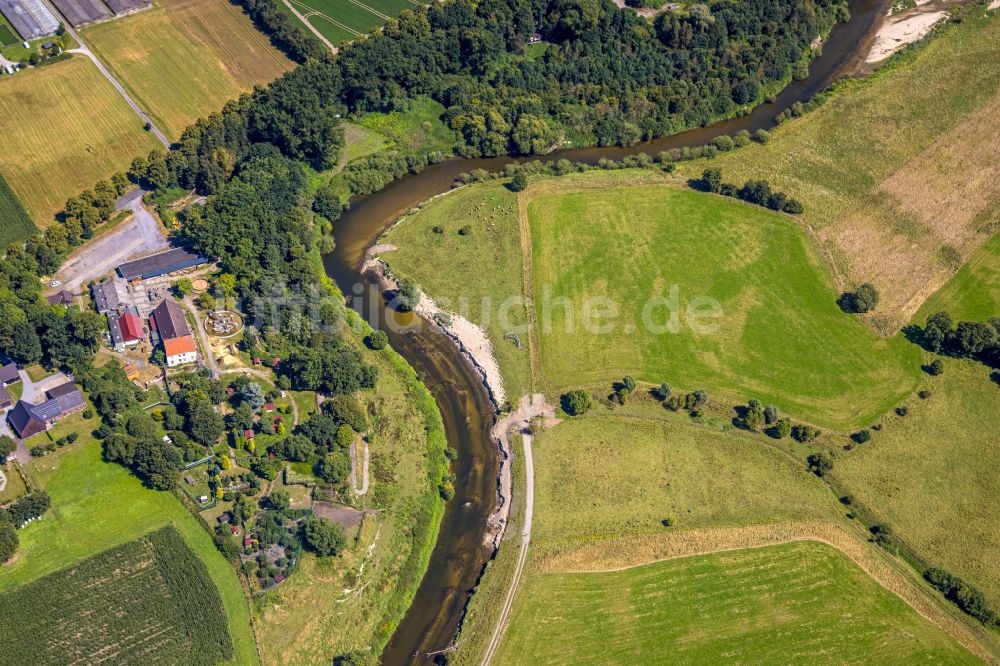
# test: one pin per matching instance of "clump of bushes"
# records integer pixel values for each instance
(753, 191)
(819, 464)
(576, 402)
(805, 433)
(970, 599)
(861, 300)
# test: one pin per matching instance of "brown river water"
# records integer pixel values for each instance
(460, 554)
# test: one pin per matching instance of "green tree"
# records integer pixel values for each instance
(576, 402)
(711, 180)
(819, 464)
(519, 182)
(323, 537)
(279, 500)
(408, 295)
(334, 468)
(8, 541)
(7, 446)
(376, 340)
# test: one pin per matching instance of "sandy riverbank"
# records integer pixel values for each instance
(896, 33)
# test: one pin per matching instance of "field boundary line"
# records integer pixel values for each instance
(522, 557)
(371, 9)
(528, 289)
(694, 543)
(313, 28)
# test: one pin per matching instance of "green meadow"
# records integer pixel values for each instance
(98, 505)
(793, 603)
(754, 310)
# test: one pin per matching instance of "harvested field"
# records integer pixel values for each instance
(898, 171)
(184, 59)
(61, 129)
(654, 464)
(802, 601)
(147, 601)
(82, 12)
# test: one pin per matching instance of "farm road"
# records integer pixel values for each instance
(139, 235)
(84, 50)
(519, 420)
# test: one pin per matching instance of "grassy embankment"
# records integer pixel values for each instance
(601, 238)
(483, 611)
(353, 602)
(897, 170)
(786, 603)
(98, 505)
(443, 265)
(62, 128)
(184, 59)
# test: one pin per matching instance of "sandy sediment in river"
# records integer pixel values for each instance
(475, 346)
(896, 33)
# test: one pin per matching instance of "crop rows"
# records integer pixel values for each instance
(15, 223)
(149, 600)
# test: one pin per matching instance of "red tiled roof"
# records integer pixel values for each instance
(175, 346)
(131, 327)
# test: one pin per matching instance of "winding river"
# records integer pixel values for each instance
(460, 554)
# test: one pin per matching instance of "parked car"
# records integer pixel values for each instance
(55, 283)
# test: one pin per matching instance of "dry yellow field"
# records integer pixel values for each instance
(63, 128)
(184, 59)
(897, 171)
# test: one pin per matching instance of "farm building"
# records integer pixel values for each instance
(63, 298)
(82, 12)
(126, 328)
(163, 263)
(168, 320)
(28, 420)
(109, 295)
(31, 18)
(9, 374)
(122, 7)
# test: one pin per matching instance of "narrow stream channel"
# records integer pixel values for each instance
(459, 556)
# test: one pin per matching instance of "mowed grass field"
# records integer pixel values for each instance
(644, 253)
(341, 21)
(973, 294)
(620, 472)
(793, 603)
(184, 59)
(149, 600)
(932, 475)
(63, 128)
(98, 505)
(897, 171)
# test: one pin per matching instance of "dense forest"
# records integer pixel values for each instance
(600, 75)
